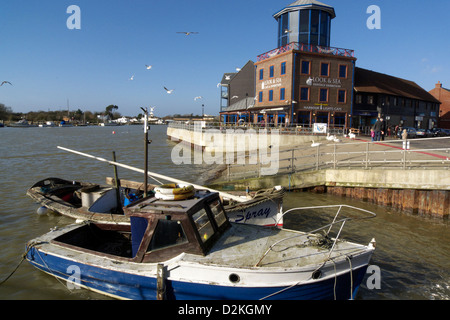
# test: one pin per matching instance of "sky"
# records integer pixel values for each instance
(52, 67)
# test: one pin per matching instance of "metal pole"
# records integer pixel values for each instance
(146, 150)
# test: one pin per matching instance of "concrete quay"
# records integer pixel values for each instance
(416, 180)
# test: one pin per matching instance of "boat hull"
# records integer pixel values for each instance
(122, 285)
(225, 273)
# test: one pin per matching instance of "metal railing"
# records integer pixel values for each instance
(429, 153)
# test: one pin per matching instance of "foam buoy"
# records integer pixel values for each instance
(113, 132)
(42, 210)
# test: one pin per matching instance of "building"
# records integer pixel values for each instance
(443, 95)
(401, 102)
(304, 81)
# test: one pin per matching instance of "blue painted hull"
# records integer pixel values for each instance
(132, 286)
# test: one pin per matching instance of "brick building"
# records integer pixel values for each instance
(305, 81)
(443, 95)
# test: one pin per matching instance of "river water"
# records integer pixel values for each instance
(413, 254)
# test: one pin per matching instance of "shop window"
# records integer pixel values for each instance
(323, 95)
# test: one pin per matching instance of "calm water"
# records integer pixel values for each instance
(412, 253)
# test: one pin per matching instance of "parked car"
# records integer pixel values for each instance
(423, 133)
(411, 132)
(438, 132)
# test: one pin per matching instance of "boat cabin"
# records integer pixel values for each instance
(159, 230)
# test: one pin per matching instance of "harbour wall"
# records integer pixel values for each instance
(421, 192)
(237, 140)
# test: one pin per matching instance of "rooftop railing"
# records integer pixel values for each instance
(307, 48)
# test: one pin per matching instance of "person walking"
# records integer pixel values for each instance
(377, 129)
(382, 129)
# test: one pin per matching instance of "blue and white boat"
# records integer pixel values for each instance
(189, 249)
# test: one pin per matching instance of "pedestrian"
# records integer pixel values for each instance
(372, 134)
(377, 129)
(404, 134)
(383, 129)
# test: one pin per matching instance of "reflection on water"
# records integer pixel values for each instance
(412, 253)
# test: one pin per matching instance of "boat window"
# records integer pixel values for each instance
(203, 224)
(218, 213)
(167, 233)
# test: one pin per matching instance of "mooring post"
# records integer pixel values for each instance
(160, 282)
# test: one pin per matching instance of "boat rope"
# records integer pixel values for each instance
(24, 255)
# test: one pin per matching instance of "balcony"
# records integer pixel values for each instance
(307, 48)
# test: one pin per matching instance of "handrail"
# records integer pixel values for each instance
(330, 225)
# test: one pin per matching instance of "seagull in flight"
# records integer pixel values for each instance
(188, 33)
(5, 82)
(148, 67)
(199, 97)
(132, 77)
(168, 91)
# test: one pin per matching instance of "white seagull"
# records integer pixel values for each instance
(188, 33)
(168, 91)
(199, 97)
(132, 77)
(5, 82)
(148, 67)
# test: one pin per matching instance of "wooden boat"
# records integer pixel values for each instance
(188, 249)
(87, 201)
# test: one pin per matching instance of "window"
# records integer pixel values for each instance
(283, 68)
(271, 71)
(167, 233)
(282, 94)
(342, 96)
(261, 74)
(323, 95)
(324, 69)
(203, 224)
(369, 99)
(358, 99)
(342, 71)
(218, 213)
(271, 95)
(304, 94)
(260, 96)
(305, 67)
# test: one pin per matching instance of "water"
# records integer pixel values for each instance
(412, 253)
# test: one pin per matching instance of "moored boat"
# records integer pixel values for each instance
(103, 203)
(188, 249)
(22, 124)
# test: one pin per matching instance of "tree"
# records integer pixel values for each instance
(5, 112)
(109, 111)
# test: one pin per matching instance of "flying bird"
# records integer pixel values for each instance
(5, 82)
(199, 97)
(132, 77)
(148, 67)
(188, 33)
(168, 91)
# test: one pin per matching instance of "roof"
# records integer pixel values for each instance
(306, 4)
(375, 82)
(241, 105)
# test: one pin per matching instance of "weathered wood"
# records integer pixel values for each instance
(160, 282)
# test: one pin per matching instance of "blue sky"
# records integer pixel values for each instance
(49, 64)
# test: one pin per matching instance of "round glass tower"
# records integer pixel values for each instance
(305, 21)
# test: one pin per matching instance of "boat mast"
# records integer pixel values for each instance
(146, 143)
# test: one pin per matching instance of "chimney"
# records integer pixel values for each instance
(438, 85)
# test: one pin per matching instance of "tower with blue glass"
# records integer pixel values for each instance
(306, 22)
